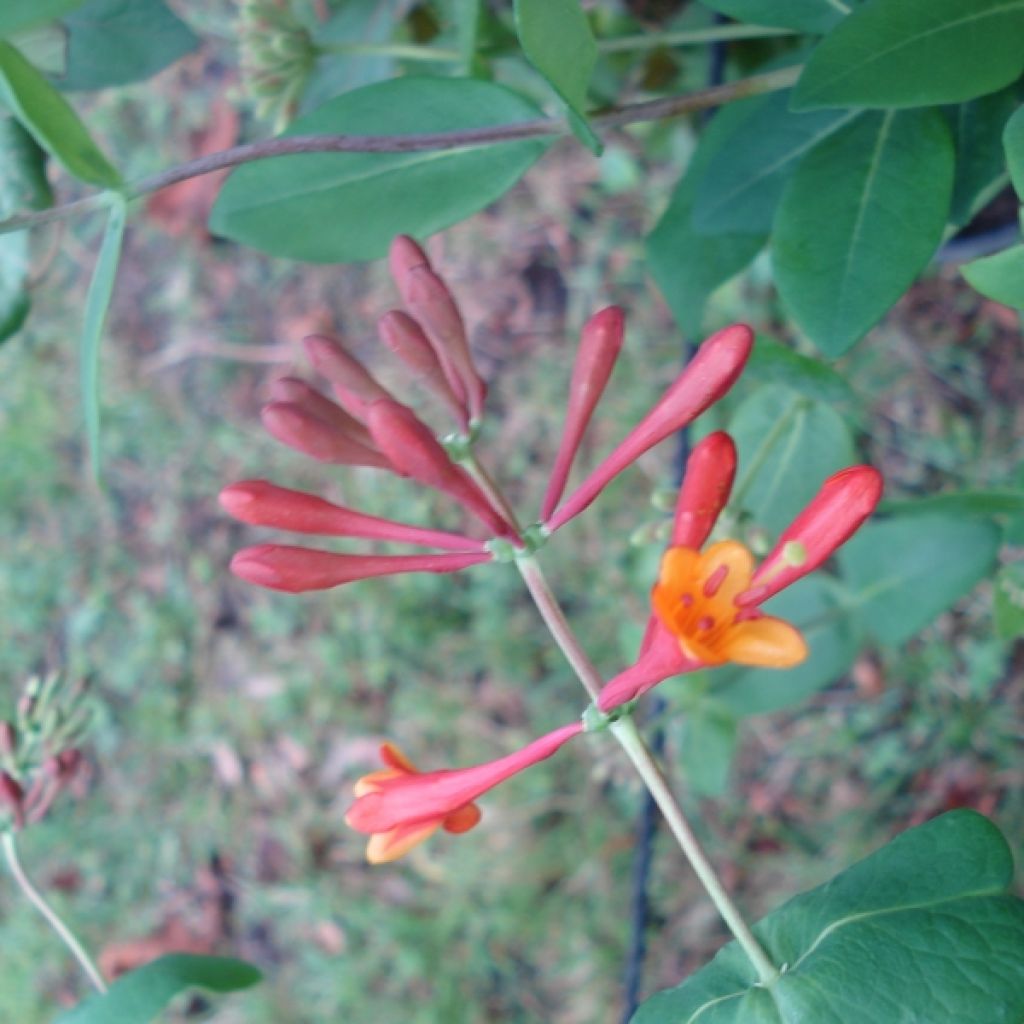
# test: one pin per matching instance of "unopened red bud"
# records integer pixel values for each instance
(404, 256)
(413, 450)
(68, 763)
(600, 344)
(265, 504)
(707, 377)
(294, 426)
(294, 569)
(404, 336)
(707, 484)
(13, 797)
(292, 389)
(353, 384)
(8, 739)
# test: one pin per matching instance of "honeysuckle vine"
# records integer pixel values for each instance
(705, 605)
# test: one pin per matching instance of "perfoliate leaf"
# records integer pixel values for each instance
(861, 216)
(771, 362)
(960, 504)
(139, 996)
(114, 42)
(914, 53)
(800, 15)
(787, 445)
(51, 120)
(686, 266)
(999, 277)
(556, 38)
(339, 207)
(18, 15)
(923, 931)
(745, 179)
(903, 572)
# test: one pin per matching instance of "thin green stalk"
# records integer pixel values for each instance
(397, 51)
(629, 738)
(53, 919)
(693, 37)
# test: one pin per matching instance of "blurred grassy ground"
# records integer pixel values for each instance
(233, 722)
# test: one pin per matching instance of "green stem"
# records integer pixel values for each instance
(693, 37)
(398, 51)
(53, 919)
(629, 738)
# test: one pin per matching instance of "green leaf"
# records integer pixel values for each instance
(914, 53)
(772, 362)
(787, 445)
(861, 216)
(114, 42)
(924, 931)
(18, 15)
(688, 267)
(1000, 276)
(97, 302)
(337, 207)
(980, 163)
(708, 741)
(140, 996)
(51, 120)
(1013, 140)
(814, 607)
(745, 179)
(1008, 601)
(904, 572)
(960, 504)
(801, 15)
(556, 38)
(23, 185)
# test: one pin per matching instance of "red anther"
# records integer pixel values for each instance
(293, 569)
(705, 622)
(298, 428)
(714, 582)
(686, 600)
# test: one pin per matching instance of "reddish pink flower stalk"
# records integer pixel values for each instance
(709, 375)
(412, 449)
(600, 344)
(699, 631)
(353, 385)
(298, 428)
(400, 807)
(293, 569)
(427, 297)
(406, 339)
(261, 503)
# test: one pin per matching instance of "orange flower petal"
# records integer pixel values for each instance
(394, 758)
(737, 559)
(463, 819)
(766, 642)
(678, 568)
(388, 846)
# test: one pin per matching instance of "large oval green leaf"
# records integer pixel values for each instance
(924, 931)
(51, 120)
(912, 53)
(1000, 277)
(801, 15)
(861, 216)
(18, 15)
(339, 207)
(903, 572)
(138, 997)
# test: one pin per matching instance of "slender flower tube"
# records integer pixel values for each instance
(412, 449)
(427, 297)
(353, 385)
(709, 375)
(298, 392)
(295, 426)
(261, 503)
(294, 570)
(706, 603)
(405, 337)
(600, 344)
(399, 806)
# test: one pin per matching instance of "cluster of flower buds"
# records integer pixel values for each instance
(705, 605)
(277, 57)
(39, 751)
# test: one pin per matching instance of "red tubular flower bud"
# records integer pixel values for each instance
(404, 336)
(404, 256)
(354, 385)
(709, 375)
(710, 471)
(600, 344)
(8, 739)
(261, 503)
(298, 428)
(399, 806)
(294, 569)
(845, 500)
(298, 392)
(13, 797)
(414, 451)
